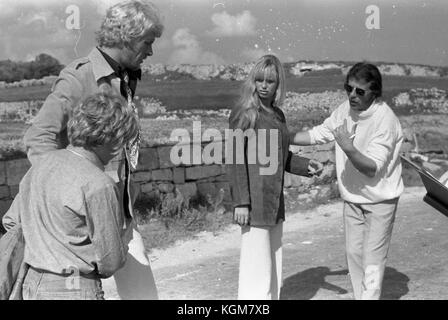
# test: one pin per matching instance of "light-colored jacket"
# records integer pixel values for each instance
(80, 79)
(378, 136)
(70, 214)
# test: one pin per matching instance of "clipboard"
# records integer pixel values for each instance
(436, 193)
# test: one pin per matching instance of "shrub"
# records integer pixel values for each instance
(43, 65)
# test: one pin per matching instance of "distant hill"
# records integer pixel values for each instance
(47, 68)
(239, 72)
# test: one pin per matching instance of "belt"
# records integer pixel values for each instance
(92, 275)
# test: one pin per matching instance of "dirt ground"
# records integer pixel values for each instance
(314, 264)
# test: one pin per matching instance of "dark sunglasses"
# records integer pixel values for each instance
(349, 89)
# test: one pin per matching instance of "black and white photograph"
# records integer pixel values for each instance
(240, 151)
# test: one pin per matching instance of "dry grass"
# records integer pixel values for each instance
(165, 219)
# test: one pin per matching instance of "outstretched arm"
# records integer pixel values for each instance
(302, 138)
(302, 166)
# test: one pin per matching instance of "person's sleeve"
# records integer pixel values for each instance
(383, 144)
(297, 165)
(105, 222)
(237, 173)
(44, 133)
(323, 133)
(12, 216)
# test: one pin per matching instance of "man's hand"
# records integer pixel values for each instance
(343, 137)
(315, 168)
(241, 215)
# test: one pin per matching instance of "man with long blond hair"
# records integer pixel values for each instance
(125, 39)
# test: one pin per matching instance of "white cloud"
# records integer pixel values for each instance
(59, 43)
(188, 50)
(12, 8)
(189, 2)
(30, 30)
(226, 25)
(252, 54)
(103, 5)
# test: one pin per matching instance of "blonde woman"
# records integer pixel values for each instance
(258, 194)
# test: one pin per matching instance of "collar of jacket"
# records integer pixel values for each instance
(100, 67)
(86, 154)
(106, 65)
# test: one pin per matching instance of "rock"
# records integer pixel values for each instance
(299, 181)
(314, 193)
(303, 197)
(324, 156)
(162, 175)
(188, 190)
(208, 188)
(2, 172)
(325, 193)
(166, 187)
(328, 174)
(4, 192)
(143, 176)
(179, 175)
(147, 187)
(435, 169)
(406, 147)
(408, 135)
(224, 187)
(200, 172)
(164, 154)
(148, 159)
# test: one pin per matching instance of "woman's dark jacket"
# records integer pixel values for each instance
(263, 194)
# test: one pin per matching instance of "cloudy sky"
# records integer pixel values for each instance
(232, 31)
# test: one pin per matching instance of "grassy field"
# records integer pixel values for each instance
(216, 94)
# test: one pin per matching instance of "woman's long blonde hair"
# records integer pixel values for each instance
(248, 105)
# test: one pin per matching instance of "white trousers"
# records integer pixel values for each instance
(368, 231)
(260, 275)
(135, 280)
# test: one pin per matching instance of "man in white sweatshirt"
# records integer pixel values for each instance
(368, 139)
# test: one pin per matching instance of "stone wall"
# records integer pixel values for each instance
(156, 175)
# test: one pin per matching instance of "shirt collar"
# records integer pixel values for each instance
(86, 154)
(118, 69)
(100, 67)
(366, 113)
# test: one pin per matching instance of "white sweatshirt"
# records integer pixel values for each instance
(378, 136)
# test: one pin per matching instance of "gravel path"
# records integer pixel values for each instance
(314, 264)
